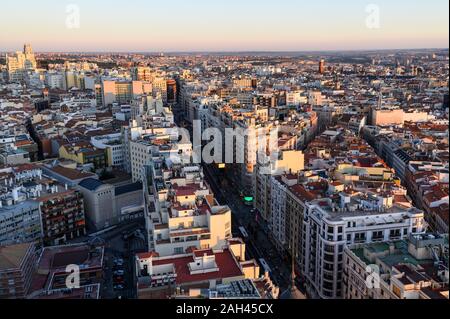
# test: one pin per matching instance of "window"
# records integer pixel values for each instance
(377, 235)
(360, 237)
(395, 233)
(178, 250)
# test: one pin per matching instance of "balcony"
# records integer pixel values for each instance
(163, 241)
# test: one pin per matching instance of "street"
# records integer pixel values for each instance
(258, 243)
(117, 247)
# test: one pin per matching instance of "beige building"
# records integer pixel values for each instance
(393, 116)
(107, 205)
(123, 92)
(181, 212)
(290, 161)
(17, 266)
(184, 274)
(19, 63)
(142, 73)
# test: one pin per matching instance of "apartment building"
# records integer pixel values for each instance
(427, 184)
(160, 277)
(20, 222)
(181, 212)
(49, 280)
(17, 266)
(84, 153)
(288, 161)
(413, 268)
(114, 147)
(142, 73)
(329, 226)
(18, 64)
(62, 213)
(123, 92)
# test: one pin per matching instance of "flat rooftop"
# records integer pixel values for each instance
(225, 261)
(11, 257)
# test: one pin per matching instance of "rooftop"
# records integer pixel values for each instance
(11, 257)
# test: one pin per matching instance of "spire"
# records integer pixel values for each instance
(292, 292)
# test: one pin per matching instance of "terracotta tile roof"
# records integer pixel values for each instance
(70, 173)
(226, 263)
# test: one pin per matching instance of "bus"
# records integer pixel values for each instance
(243, 232)
(265, 266)
(248, 200)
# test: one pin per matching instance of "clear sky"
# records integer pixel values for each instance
(222, 25)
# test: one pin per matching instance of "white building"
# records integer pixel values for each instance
(181, 212)
(328, 228)
(114, 147)
(19, 223)
(55, 81)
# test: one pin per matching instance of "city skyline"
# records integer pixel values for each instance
(290, 26)
(224, 152)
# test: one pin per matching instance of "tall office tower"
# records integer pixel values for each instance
(19, 63)
(160, 87)
(74, 79)
(123, 92)
(141, 73)
(322, 66)
(30, 59)
(27, 49)
(171, 91)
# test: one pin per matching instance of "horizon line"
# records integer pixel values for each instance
(241, 51)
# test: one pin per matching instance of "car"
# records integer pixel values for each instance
(118, 261)
(119, 273)
(119, 287)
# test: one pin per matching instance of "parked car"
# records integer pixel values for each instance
(118, 261)
(119, 273)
